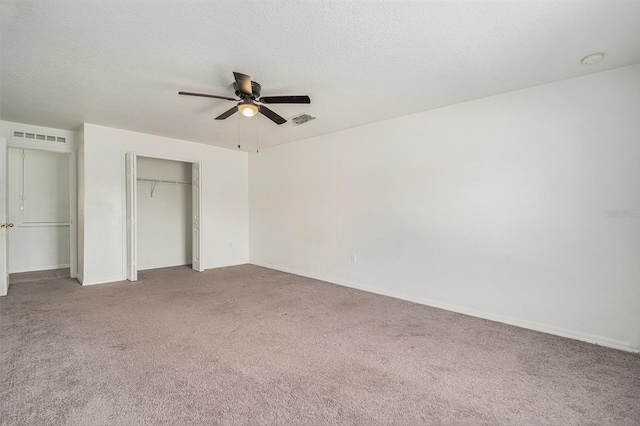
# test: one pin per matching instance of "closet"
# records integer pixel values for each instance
(164, 213)
(39, 207)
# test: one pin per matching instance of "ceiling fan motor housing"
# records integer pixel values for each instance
(255, 90)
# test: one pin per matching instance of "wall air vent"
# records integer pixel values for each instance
(39, 137)
(301, 119)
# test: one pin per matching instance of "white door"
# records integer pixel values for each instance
(4, 274)
(196, 197)
(132, 235)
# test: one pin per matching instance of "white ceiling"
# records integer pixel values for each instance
(122, 63)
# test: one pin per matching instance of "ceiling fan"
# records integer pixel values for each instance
(250, 102)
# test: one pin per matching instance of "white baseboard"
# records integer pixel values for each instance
(545, 328)
(226, 265)
(122, 278)
(42, 268)
(108, 281)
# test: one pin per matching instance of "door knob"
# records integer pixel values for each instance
(6, 225)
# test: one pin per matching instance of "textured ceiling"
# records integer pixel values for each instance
(122, 63)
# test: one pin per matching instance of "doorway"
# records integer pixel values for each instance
(163, 213)
(40, 213)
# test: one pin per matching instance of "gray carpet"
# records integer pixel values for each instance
(248, 345)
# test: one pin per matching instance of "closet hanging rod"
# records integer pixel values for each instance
(164, 181)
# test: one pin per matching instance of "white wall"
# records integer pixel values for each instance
(494, 207)
(164, 217)
(225, 193)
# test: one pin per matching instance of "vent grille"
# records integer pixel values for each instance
(39, 137)
(301, 119)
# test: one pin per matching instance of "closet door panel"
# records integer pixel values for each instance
(132, 197)
(196, 211)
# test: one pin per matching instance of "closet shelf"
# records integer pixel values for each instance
(154, 182)
(165, 181)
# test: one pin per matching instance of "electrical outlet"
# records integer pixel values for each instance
(353, 258)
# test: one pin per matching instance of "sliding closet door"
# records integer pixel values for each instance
(132, 197)
(196, 199)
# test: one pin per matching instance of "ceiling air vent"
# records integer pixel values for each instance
(39, 137)
(301, 119)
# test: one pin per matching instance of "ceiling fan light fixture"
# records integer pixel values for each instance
(249, 93)
(248, 108)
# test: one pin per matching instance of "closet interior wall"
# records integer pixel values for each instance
(164, 213)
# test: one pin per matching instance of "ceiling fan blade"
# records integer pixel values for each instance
(271, 115)
(207, 96)
(227, 113)
(244, 83)
(293, 99)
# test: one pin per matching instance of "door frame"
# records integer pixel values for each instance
(4, 240)
(73, 193)
(130, 213)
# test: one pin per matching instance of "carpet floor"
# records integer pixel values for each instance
(249, 345)
(29, 277)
